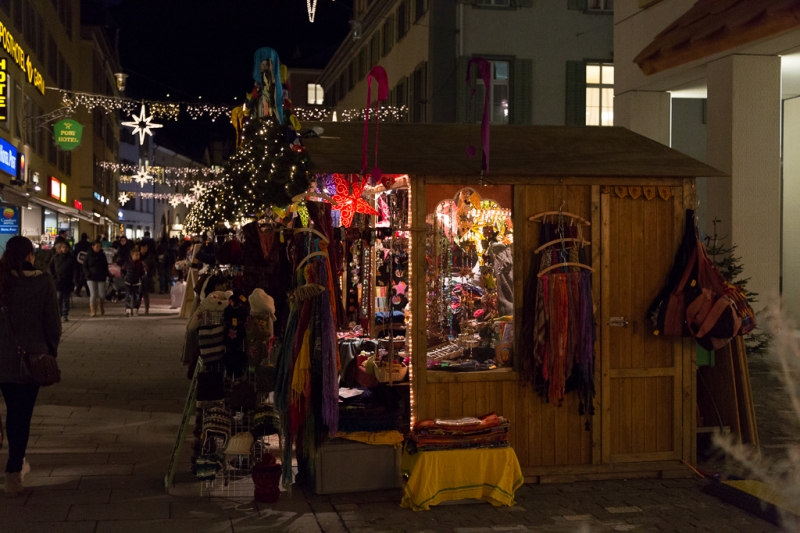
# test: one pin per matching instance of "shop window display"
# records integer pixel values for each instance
(470, 287)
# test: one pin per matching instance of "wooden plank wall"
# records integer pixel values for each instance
(645, 414)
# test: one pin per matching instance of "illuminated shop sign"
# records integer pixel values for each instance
(55, 188)
(78, 205)
(63, 197)
(22, 59)
(3, 92)
(8, 158)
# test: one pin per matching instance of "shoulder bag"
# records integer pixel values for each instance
(39, 368)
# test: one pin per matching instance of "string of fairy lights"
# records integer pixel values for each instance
(173, 110)
(173, 199)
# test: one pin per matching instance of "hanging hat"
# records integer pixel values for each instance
(243, 396)
(240, 444)
(217, 420)
(261, 302)
(266, 421)
(209, 386)
(207, 466)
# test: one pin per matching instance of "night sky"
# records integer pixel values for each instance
(189, 49)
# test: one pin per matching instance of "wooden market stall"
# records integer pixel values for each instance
(634, 193)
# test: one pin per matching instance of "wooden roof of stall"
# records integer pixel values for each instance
(546, 151)
(713, 26)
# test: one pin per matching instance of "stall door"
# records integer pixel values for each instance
(644, 402)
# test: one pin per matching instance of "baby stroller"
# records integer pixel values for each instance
(115, 290)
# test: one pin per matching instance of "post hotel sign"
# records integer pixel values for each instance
(21, 58)
(68, 134)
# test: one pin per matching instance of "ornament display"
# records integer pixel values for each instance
(350, 202)
(142, 124)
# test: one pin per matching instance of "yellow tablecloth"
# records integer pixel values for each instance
(490, 474)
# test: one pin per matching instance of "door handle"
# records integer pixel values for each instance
(621, 322)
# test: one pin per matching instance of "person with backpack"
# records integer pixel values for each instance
(81, 249)
(133, 272)
(62, 268)
(95, 271)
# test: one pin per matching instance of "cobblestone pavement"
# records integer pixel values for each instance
(101, 440)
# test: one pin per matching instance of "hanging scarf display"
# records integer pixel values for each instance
(307, 390)
(560, 325)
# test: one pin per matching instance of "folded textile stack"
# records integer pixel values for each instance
(488, 431)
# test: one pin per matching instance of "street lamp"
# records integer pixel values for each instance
(121, 79)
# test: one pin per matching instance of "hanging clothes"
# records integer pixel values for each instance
(559, 329)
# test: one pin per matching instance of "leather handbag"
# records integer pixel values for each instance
(39, 368)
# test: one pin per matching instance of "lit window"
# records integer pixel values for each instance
(599, 94)
(499, 95)
(316, 96)
(600, 5)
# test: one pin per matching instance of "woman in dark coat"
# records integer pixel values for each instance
(95, 270)
(150, 270)
(32, 321)
(62, 268)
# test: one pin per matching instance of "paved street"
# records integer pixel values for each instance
(102, 438)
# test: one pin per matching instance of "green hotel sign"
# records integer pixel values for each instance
(68, 134)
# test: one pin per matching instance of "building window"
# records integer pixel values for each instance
(600, 5)
(362, 62)
(388, 34)
(316, 95)
(494, 3)
(375, 49)
(599, 94)
(402, 20)
(499, 97)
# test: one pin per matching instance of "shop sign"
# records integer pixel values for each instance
(3, 92)
(8, 158)
(55, 188)
(68, 134)
(22, 175)
(23, 60)
(63, 197)
(9, 221)
(78, 205)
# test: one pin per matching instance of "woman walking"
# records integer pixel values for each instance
(95, 270)
(28, 301)
(62, 268)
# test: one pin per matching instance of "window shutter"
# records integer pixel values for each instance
(462, 94)
(575, 94)
(580, 5)
(522, 99)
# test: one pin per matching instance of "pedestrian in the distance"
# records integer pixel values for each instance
(95, 270)
(28, 297)
(150, 269)
(123, 250)
(62, 268)
(133, 272)
(80, 250)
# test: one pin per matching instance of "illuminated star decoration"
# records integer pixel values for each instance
(123, 198)
(198, 189)
(175, 201)
(188, 200)
(142, 177)
(141, 124)
(312, 9)
(350, 204)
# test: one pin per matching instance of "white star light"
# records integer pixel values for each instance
(175, 201)
(188, 199)
(123, 198)
(312, 9)
(198, 189)
(141, 124)
(142, 177)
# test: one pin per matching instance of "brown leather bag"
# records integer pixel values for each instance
(39, 368)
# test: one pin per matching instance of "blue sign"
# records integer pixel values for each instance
(8, 158)
(9, 220)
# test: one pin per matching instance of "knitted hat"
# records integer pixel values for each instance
(209, 386)
(207, 466)
(266, 421)
(243, 396)
(240, 444)
(217, 420)
(238, 297)
(261, 302)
